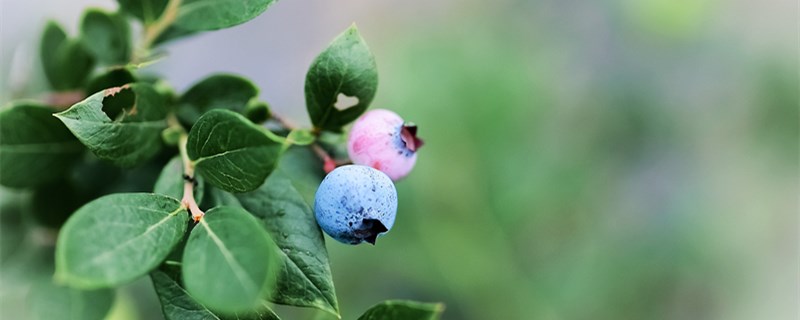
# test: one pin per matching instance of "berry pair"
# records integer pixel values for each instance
(357, 203)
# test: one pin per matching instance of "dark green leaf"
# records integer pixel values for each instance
(47, 301)
(230, 261)
(170, 182)
(52, 39)
(52, 204)
(13, 227)
(35, 148)
(196, 15)
(128, 141)
(231, 152)
(116, 77)
(173, 33)
(106, 36)
(177, 304)
(118, 238)
(347, 68)
(283, 204)
(215, 197)
(146, 10)
(220, 91)
(403, 310)
(257, 111)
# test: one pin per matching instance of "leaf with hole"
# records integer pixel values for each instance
(345, 69)
(137, 231)
(106, 36)
(230, 152)
(282, 203)
(133, 138)
(220, 91)
(177, 304)
(403, 310)
(198, 15)
(230, 261)
(35, 148)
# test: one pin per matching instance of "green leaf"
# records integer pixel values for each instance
(283, 203)
(177, 304)
(147, 11)
(347, 68)
(197, 15)
(173, 33)
(47, 301)
(66, 62)
(52, 39)
(106, 36)
(221, 91)
(403, 310)
(52, 204)
(257, 111)
(215, 197)
(231, 152)
(35, 149)
(230, 261)
(116, 77)
(300, 137)
(170, 182)
(118, 238)
(128, 141)
(13, 226)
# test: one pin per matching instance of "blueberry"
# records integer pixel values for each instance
(355, 204)
(380, 139)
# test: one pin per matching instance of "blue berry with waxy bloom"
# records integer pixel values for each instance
(355, 204)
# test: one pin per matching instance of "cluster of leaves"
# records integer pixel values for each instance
(119, 173)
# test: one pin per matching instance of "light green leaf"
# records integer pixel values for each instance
(231, 152)
(170, 182)
(47, 301)
(300, 137)
(345, 68)
(197, 15)
(128, 141)
(221, 91)
(118, 238)
(230, 261)
(106, 36)
(177, 304)
(283, 203)
(147, 11)
(403, 310)
(35, 149)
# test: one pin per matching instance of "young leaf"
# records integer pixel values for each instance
(403, 310)
(47, 300)
(300, 137)
(229, 262)
(345, 68)
(170, 182)
(146, 10)
(231, 152)
(35, 148)
(118, 238)
(177, 304)
(221, 91)
(283, 204)
(52, 39)
(128, 141)
(106, 36)
(198, 15)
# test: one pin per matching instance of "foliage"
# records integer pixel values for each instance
(191, 190)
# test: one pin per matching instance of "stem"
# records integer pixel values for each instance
(328, 163)
(154, 30)
(188, 200)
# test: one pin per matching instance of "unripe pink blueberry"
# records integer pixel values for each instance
(382, 140)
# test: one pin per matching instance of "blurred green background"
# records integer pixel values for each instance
(627, 159)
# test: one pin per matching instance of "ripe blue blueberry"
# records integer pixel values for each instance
(355, 204)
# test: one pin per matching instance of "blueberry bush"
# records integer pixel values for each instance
(208, 193)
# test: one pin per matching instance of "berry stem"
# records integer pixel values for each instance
(188, 200)
(328, 163)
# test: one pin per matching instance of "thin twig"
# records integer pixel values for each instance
(188, 200)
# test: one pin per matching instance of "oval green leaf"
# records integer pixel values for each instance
(403, 310)
(177, 304)
(284, 205)
(106, 36)
(35, 148)
(229, 262)
(198, 15)
(230, 152)
(347, 68)
(133, 138)
(221, 91)
(118, 238)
